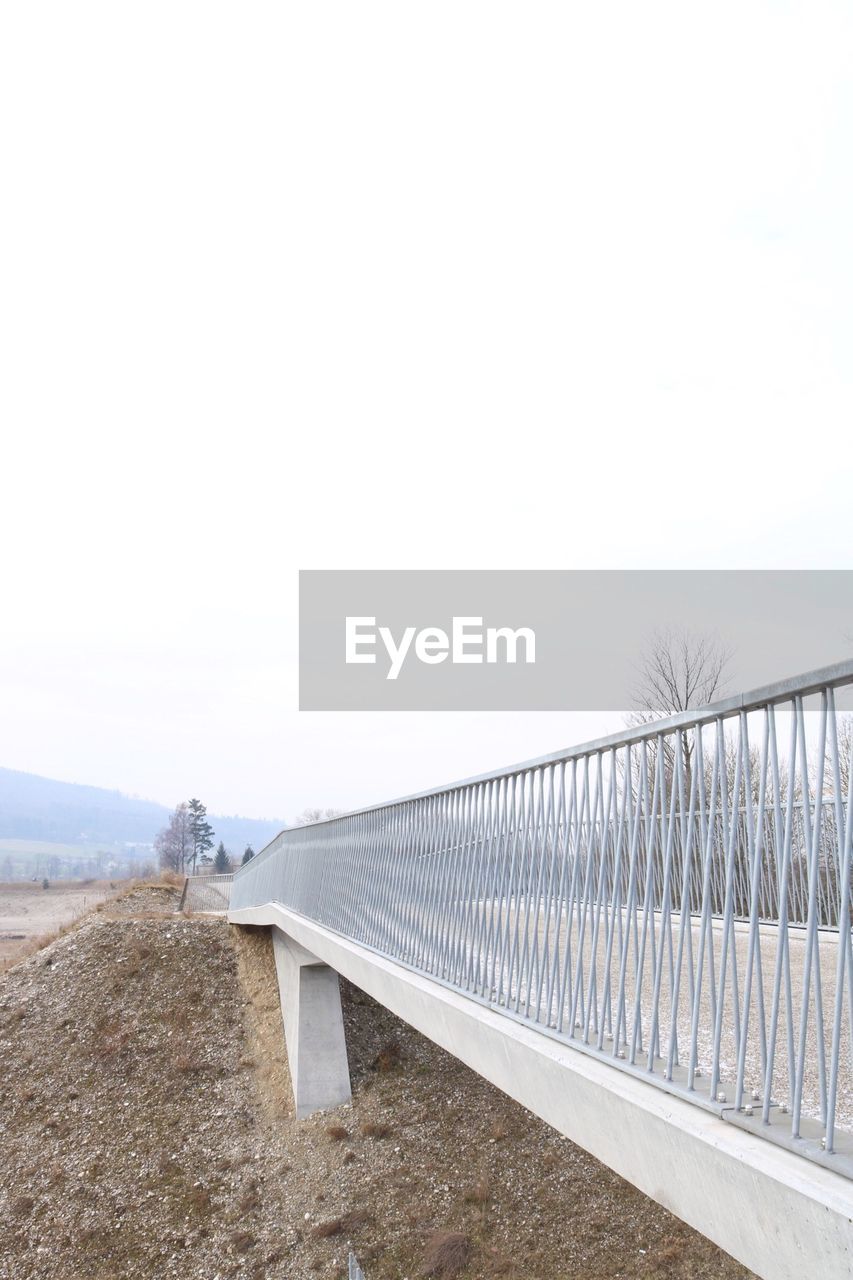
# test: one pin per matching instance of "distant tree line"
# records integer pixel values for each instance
(19, 864)
(184, 844)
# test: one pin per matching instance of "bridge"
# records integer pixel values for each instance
(645, 940)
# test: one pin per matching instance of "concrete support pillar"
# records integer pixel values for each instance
(313, 1027)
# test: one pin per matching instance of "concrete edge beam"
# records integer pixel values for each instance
(780, 1215)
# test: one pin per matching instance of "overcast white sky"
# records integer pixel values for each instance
(393, 286)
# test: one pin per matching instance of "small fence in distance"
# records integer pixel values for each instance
(207, 893)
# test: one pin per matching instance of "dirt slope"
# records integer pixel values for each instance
(146, 1134)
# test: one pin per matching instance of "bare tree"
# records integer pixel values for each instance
(844, 738)
(174, 844)
(750, 775)
(308, 816)
(678, 671)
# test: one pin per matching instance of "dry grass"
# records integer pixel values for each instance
(112, 1036)
(348, 1224)
(388, 1057)
(498, 1265)
(250, 1199)
(479, 1193)
(180, 1019)
(172, 879)
(22, 1206)
(337, 1132)
(39, 941)
(373, 1129)
(671, 1249)
(447, 1253)
(199, 1199)
(186, 1064)
(138, 958)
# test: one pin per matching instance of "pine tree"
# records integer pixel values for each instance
(201, 831)
(221, 863)
(248, 855)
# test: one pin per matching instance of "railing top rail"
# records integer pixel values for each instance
(810, 682)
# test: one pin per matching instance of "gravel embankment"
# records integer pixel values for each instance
(147, 1134)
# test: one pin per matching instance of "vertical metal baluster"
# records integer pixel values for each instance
(585, 896)
(755, 845)
(844, 836)
(516, 803)
(473, 888)
(782, 967)
(705, 930)
(426, 879)
(687, 829)
(665, 921)
(648, 898)
(732, 821)
(553, 872)
(621, 1033)
(531, 863)
(812, 955)
(593, 1013)
(467, 882)
(436, 883)
(541, 844)
(574, 842)
(498, 860)
(456, 872)
(615, 913)
(451, 869)
(561, 843)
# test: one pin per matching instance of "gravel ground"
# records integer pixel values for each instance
(147, 1132)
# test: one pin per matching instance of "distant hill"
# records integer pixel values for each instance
(42, 809)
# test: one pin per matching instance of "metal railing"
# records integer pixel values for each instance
(207, 893)
(676, 899)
